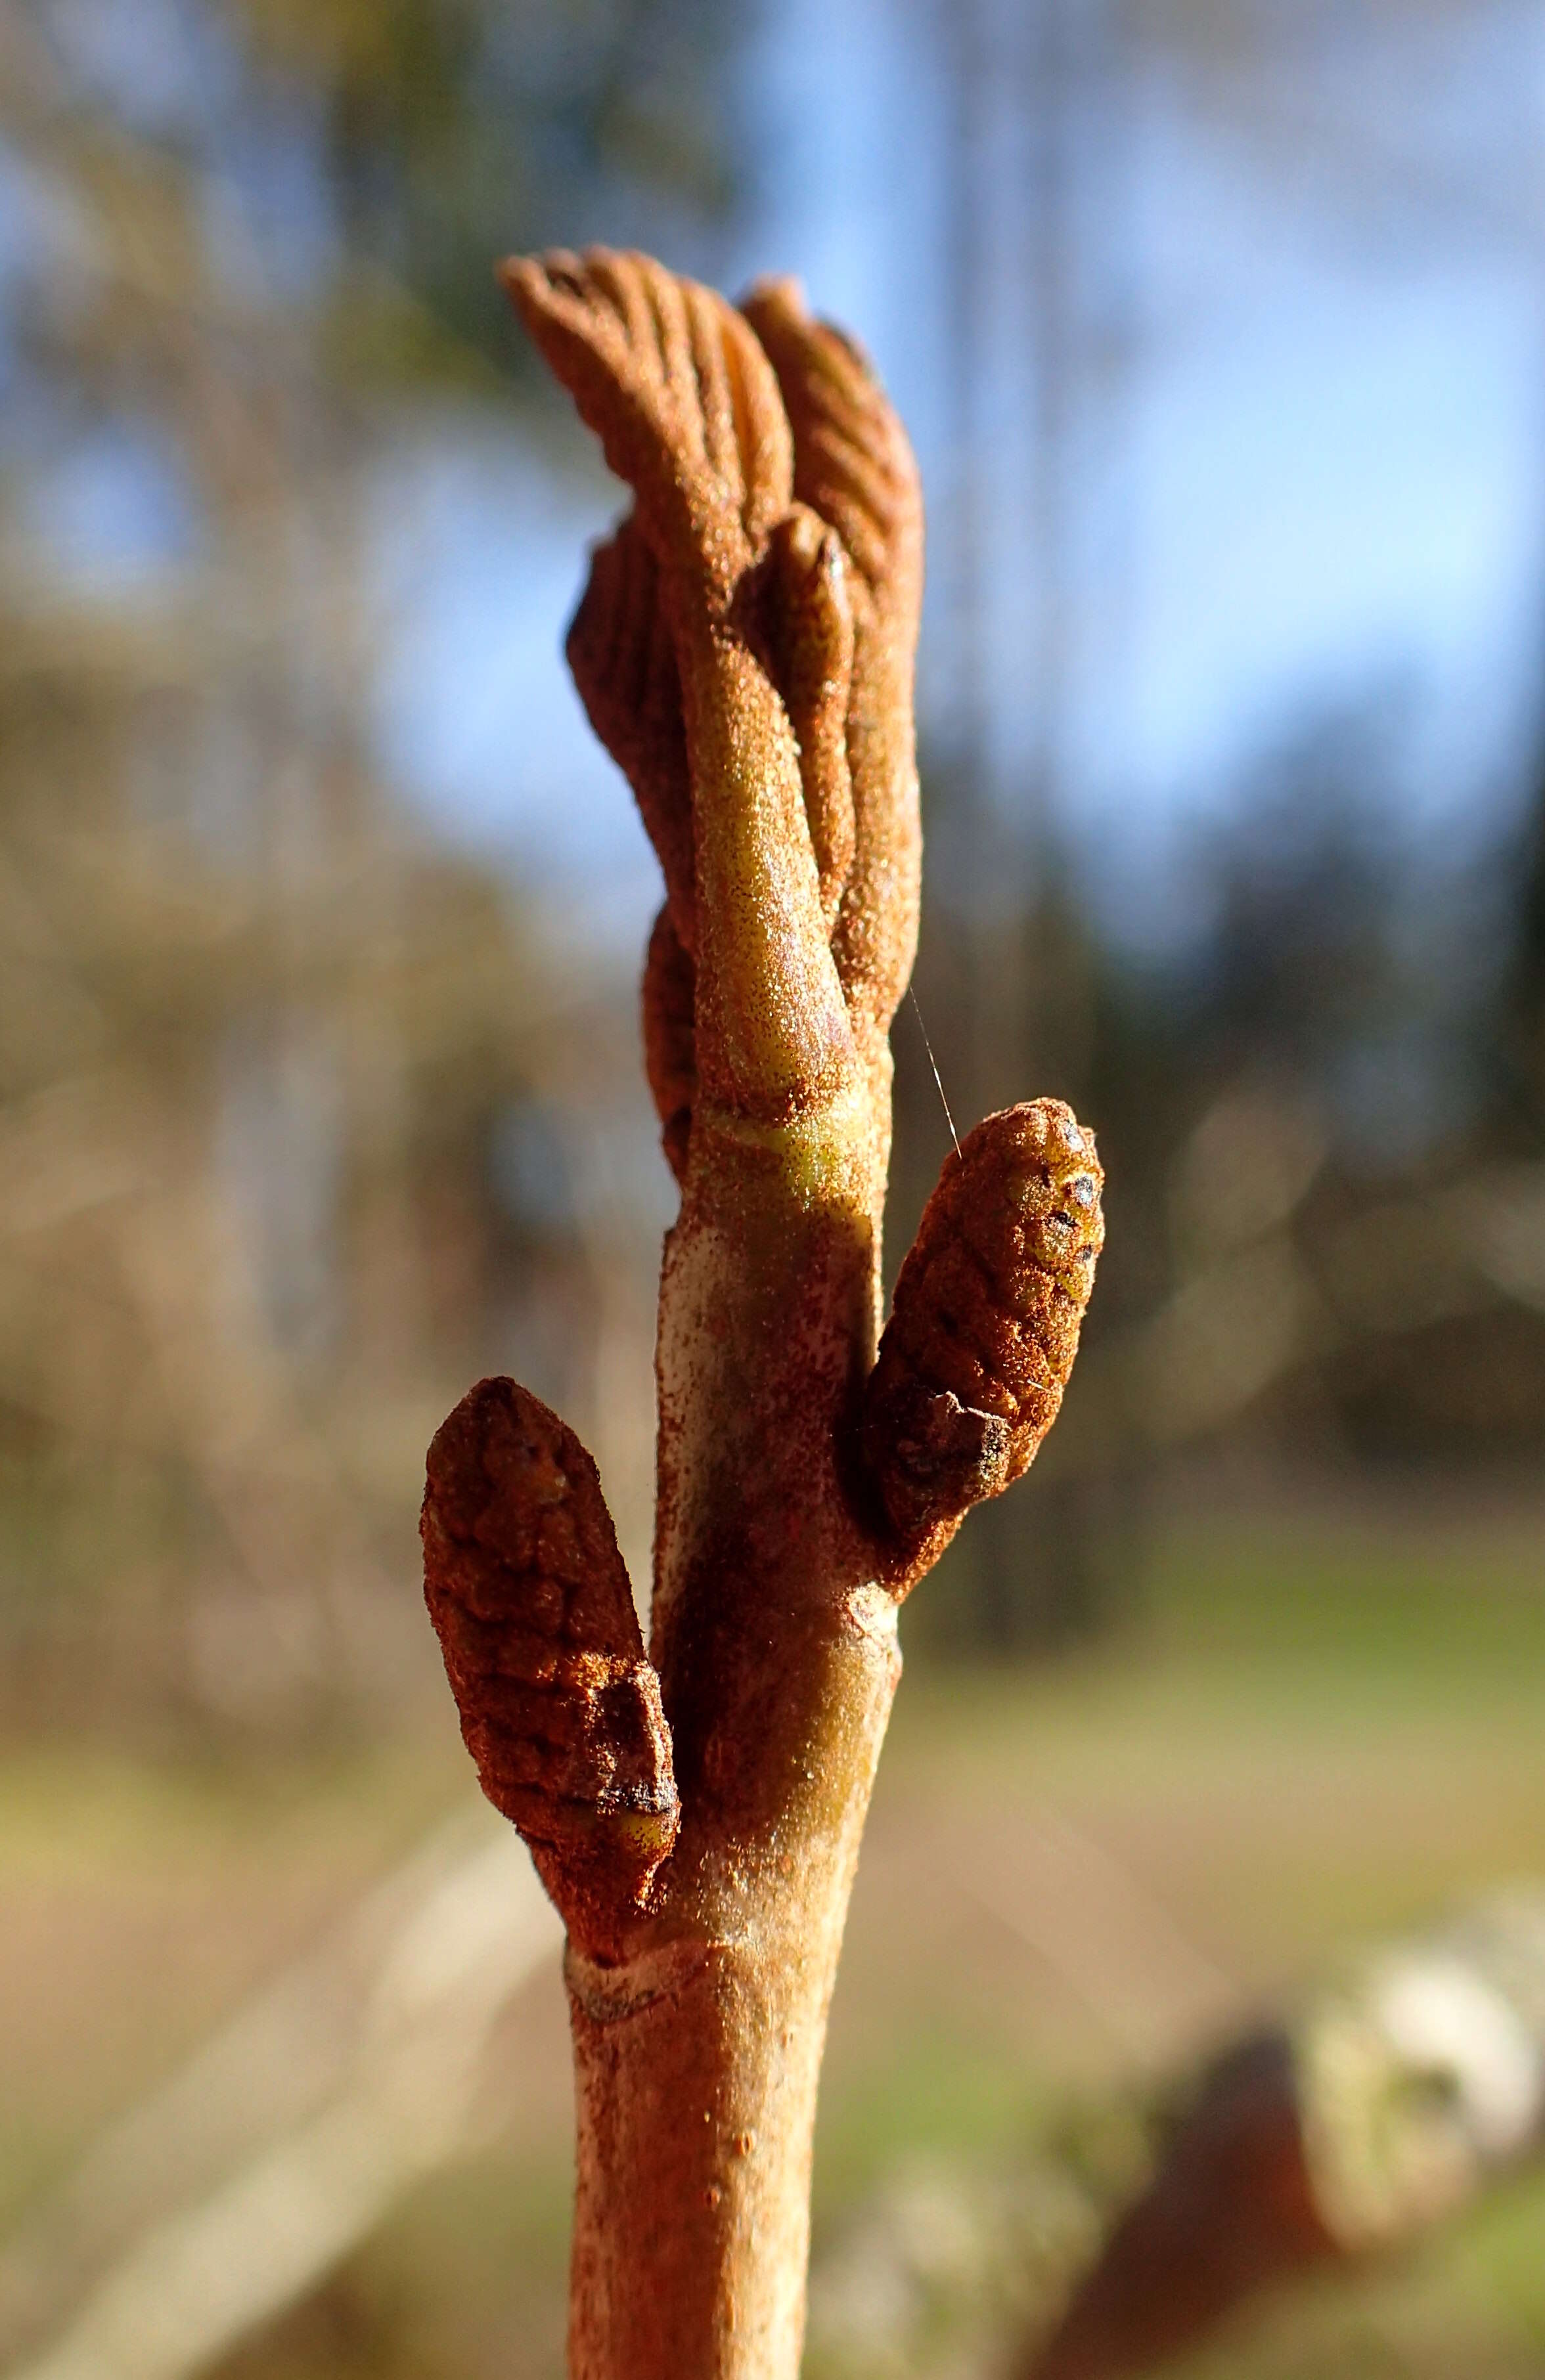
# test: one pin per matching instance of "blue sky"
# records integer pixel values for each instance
(1315, 478)
(1320, 476)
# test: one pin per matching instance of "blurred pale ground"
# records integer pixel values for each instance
(1325, 1728)
(1218, 324)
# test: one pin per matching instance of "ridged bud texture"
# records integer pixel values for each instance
(985, 1322)
(530, 1601)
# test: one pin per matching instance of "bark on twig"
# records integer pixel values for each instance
(745, 649)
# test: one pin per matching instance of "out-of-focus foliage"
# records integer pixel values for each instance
(292, 1104)
(448, 127)
(254, 244)
(1325, 1141)
(1311, 1050)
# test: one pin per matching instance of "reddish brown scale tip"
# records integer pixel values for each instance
(623, 666)
(670, 1048)
(529, 1599)
(985, 1323)
(674, 383)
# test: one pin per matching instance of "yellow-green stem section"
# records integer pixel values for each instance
(697, 2057)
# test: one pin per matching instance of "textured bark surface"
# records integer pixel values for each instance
(745, 649)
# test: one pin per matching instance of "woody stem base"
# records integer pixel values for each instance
(696, 2068)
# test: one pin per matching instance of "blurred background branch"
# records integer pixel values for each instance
(244, 2181)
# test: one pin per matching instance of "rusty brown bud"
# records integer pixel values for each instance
(985, 1322)
(529, 1598)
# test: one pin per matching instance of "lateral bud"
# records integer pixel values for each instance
(559, 1706)
(984, 1325)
